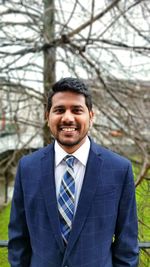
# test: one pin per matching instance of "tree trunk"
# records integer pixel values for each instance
(49, 56)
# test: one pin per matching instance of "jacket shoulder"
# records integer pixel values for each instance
(111, 157)
(37, 155)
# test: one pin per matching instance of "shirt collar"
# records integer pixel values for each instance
(81, 154)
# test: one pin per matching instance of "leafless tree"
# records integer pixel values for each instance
(104, 42)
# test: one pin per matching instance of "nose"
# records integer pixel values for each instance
(68, 116)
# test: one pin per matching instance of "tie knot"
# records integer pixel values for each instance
(70, 161)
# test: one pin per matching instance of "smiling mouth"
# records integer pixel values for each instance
(68, 129)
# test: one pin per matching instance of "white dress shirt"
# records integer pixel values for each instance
(81, 157)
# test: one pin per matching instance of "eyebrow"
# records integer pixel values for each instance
(63, 106)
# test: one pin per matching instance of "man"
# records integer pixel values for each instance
(74, 201)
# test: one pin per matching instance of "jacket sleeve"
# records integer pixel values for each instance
(19, 249)
(125, 246)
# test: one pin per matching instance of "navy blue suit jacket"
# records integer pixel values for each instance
(104, 232)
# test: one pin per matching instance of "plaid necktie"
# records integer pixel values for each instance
(66, 199)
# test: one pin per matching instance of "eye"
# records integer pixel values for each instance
(59, 110)
(77, 110)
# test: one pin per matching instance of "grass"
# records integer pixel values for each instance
(4, 219)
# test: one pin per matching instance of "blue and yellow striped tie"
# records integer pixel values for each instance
(66, 199)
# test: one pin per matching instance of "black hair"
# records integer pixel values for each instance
(72, 85)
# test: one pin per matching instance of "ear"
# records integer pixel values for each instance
(91, 117)
(47, 117)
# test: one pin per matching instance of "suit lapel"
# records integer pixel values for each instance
(92, 176)
(49, 193)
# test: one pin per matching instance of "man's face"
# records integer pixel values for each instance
(69, 120)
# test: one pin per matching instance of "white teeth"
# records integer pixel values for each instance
(68, 129)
